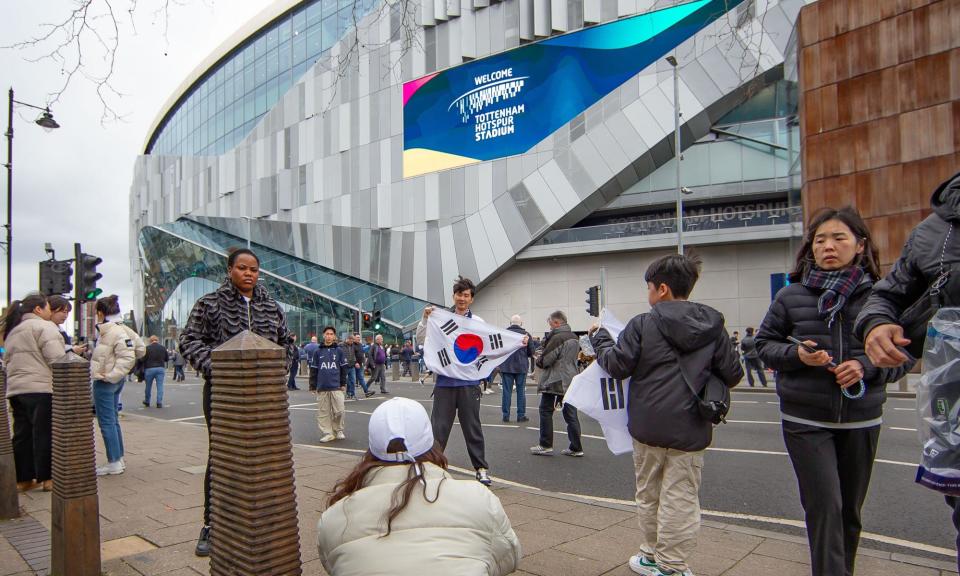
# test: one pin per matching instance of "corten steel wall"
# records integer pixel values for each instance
(879, 109)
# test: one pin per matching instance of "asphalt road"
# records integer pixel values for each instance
(747, 476)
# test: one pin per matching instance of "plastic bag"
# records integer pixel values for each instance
(938, 404)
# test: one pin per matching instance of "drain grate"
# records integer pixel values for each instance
(31, 540)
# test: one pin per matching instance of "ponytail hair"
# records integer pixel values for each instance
(18, 308)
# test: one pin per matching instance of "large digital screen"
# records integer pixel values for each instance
(505, 104)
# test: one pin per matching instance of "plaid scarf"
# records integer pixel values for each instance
(837, 285)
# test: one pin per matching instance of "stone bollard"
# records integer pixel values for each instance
(414, 370)
(395, 371)
(253, 502)
(9, 503)
(74, 508)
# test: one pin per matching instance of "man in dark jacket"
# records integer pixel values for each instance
(751, 359)
(661, 350)
(930, 256)
(331, 385)
(309, 350)
(559, 363)
(154, 364)
(513, 372)
(353, 350)
(406, 356)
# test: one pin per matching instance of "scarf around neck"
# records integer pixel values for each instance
(837, 286)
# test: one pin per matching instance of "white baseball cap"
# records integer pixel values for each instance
(400, 418)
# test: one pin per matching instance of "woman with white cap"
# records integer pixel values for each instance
(400, 512)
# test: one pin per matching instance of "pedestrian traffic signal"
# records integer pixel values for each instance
(88, 276)
(366, 320)
(55, 277)
(376, 320)
(593, 301)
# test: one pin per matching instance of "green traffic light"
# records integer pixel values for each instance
(92, 295)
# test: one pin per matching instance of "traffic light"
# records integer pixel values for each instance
(55, 277)
(88, 276)
(593, 301)
(376, 320)
(366, 320)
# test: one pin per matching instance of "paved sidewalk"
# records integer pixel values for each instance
(150, 518)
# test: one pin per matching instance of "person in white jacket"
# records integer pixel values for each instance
(399, 512)
(117, 350)
(31, 344)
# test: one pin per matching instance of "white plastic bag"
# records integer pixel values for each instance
(938, 404)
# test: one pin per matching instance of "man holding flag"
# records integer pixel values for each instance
(461, 350)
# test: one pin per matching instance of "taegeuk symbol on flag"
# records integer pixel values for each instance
(464, 348)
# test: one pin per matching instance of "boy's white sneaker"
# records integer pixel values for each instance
(642, 565)
(328, 438)
(341, 436)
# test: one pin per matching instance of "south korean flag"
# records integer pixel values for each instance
(594, 393)
(464, 348)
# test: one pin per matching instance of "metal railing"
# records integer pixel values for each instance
(720, 220)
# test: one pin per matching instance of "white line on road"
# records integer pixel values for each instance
(752, 422)
(906, 409)
(903, 429)
(745, 402)
(187, 418)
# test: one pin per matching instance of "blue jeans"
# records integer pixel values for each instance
(149, 376)
(355, 375)
(106, 397)
(507, 380)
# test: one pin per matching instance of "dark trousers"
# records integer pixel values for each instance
(379, 375)
(463, 402)
(751, 364)
(833, 470)
(32, 435)
(953, 502)
(292, 381)
(178, 373)
(549, 403)
(207, 411)
(313, 378)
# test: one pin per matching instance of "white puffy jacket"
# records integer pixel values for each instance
(118, 349)
(31, 347)
(464, 532)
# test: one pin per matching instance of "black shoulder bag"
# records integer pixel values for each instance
(713, 402)
(915, 318)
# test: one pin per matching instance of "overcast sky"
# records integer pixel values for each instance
(73, 184)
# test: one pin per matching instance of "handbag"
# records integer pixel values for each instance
(915, 318)
(713, 402)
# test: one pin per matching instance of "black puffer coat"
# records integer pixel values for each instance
(222, 314)
(812, 392)
(661, 410)
(920, 263)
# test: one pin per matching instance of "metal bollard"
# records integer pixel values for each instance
(9, 503)
(74, 507)
(253, 502)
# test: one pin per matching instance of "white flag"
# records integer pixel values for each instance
(595, 393)
(464, 348)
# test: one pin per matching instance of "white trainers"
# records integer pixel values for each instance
(110, 469)
(641, 564)
(328, 438)
(341, 436)
(483, 477)
(539, 450)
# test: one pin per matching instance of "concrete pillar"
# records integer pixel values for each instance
(395, 370)
(414, 370)
(253, 503)
(74, 507)
(9, 502)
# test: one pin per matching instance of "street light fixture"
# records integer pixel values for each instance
(676, 147)
(46, 122)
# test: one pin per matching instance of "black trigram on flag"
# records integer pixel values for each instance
(449, 327)
(496, 342)
(612, 391)
(480, 362)
(444, 357)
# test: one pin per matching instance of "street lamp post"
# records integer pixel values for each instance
(47, 122)
(676, 147)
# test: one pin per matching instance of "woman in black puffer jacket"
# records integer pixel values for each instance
(239, 304)
(830, 436)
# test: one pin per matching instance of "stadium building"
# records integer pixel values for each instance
(372, 151)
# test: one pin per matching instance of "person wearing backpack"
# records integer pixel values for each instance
(676, 348)
(751, 360)
(117, 350)
(832, 395)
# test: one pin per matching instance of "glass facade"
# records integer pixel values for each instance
(192, 263)
(221, 108)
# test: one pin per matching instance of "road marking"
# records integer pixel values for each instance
(300, 405)
(752, 422)
(896, 463)
(774, 403)
(745, 402)
(905, 409)
(500, 425)
(745, 451)
(903, 429)
(314, 409)
(187, 418)
(192, 403)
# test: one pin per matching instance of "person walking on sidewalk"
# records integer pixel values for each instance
(331, 384)
(400, 512)
(154, 370)
(378, 362)
(358, 359)
(238, 304)
(664, 352)
(513, 372)
(751, 360)
(406, 356)
(294, 367)
(118, 349)
(458, 399)
(830, 430)
(559, 363)
(32, 343)
(309, 350)
(178, 364)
